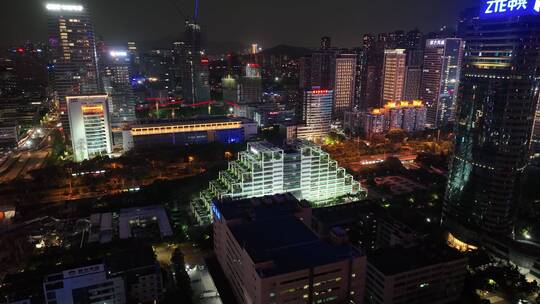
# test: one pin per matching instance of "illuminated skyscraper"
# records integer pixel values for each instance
(371, 71)
(116, 76)
(318, 69)
(413, 74)
(73, 62)
(345, 84)
(440, 79)
(89, 125)
(195, 76)
(231, 89)
(317, 115)
(496, 105)
(393, 75)
(117, 83)
(251, 85)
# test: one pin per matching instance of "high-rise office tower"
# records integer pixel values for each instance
(359, 79)
(73, 52)
(413, 40)
(535, 144)
(318, 69)
(117, 84)
(195, 78)
(251, 85)
(371, 73)
(393, 75)
(440, 79)
(413, 74)
(496, 104)
(133, 52)
(231, 89)
(317, 114)
(116, 76)
(344, 88)
(89, 125)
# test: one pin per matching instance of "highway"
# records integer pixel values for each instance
(31, 155)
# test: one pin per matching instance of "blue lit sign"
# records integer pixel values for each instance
(216, 212)
(507, 8)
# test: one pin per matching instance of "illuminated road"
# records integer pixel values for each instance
(20, 166)
(8, 162)
(16, 168)
(379, 158)
(36, 161)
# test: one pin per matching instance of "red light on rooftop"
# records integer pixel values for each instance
(20, 50)
(318, 92)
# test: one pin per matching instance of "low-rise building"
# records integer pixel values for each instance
(88, 284)
(398, 185)
(185, 132)
(269, 255)
(138, 222)
(422, 274)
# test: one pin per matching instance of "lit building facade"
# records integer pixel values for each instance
(276, 258)
(413, 74)
(494, 122)
(535, 144)
(195, 66)
(89, 125)
(393, 77)
(117, 84)
(179, 133)
(374, 123)
(83, 285)
(440, 79)
(73, 66)
(345, 80)
(407, 116)
(318, 70)
(251, 85)
(303, 169)
(231, 89)
(317, 115)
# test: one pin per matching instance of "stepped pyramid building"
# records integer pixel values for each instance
(302, 169)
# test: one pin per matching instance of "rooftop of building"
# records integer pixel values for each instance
(395, 260)
(288, 244)
(270, 232)
(346, 212)
(195, 120)
(260, 208)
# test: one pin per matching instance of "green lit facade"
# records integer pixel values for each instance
(302, 169)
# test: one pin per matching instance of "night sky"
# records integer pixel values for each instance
(269, 22)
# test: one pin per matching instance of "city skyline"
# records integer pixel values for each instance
(390, 162)
(346, 24)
